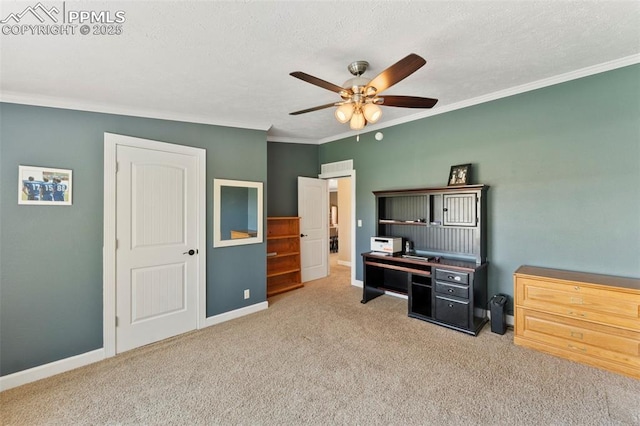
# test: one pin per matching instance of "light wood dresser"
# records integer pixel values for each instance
(589, 318)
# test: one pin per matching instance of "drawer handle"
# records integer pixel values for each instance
(577, 314)
(576, 288)
(450, 290)
(451, 305)
(577, 348)
(576, 335)
(451, 277)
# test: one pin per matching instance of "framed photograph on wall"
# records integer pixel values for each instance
(460, 175)
(44, 186)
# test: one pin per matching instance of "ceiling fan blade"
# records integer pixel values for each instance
(397, 72)
(303, 111)
(408, 101)
(318, 82)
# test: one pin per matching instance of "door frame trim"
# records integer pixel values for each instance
(351, 174)
(111, 142)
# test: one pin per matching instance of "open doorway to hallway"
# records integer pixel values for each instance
(340, 223)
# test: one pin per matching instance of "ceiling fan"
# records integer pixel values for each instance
(361, 97)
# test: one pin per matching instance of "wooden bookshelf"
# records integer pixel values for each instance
(283, 254)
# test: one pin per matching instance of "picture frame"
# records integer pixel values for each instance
(44, 186)
(460, 175)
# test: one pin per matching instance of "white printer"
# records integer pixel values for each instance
(386, 245)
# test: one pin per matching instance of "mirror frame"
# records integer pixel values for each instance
(217, 237)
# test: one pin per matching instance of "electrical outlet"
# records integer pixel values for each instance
(359, 223)
(247, 294)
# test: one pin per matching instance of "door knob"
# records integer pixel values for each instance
(190, 252)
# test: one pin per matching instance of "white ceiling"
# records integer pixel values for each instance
(228, 63)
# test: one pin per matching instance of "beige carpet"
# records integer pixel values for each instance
(318, 356)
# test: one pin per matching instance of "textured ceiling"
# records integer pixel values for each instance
(228, 63)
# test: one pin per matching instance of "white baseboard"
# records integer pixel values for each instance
(227, 316)
(358, 283)
(509, 320)
(344, 263)
(398, 295)
(47, 370)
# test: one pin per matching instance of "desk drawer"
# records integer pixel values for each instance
(452, 276)
(452, 289)
(452, 311)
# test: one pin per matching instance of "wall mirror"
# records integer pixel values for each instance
(237, 212)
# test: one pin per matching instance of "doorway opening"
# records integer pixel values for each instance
(345, 176)
(340, 213)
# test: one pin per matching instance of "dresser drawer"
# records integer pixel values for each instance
(452, 276)
(580, 337)
(581, 301)
(452, 289)
(452, 311)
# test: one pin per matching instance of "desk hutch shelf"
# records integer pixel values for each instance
(445, 279)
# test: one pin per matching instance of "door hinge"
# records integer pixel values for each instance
(117, 244)
(117, 166)
(116, 321)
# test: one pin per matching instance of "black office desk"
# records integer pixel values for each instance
(448, 292)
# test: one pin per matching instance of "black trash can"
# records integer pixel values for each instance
(497, 304)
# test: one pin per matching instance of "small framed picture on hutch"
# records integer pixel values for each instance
(460, 175)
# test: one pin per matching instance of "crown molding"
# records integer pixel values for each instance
(74, 104)
(539, 84)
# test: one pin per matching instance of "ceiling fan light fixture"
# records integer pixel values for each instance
(357, 121)
(344, 112)
(361, 100)
(372, 112)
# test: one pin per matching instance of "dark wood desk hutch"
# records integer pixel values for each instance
(445, 277)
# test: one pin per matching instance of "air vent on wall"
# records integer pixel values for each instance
(338, 166)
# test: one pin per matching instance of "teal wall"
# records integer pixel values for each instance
(286, 162)
(563, 163)
(51, 257)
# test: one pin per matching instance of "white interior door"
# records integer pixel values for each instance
(156, 255)
(313, 209)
